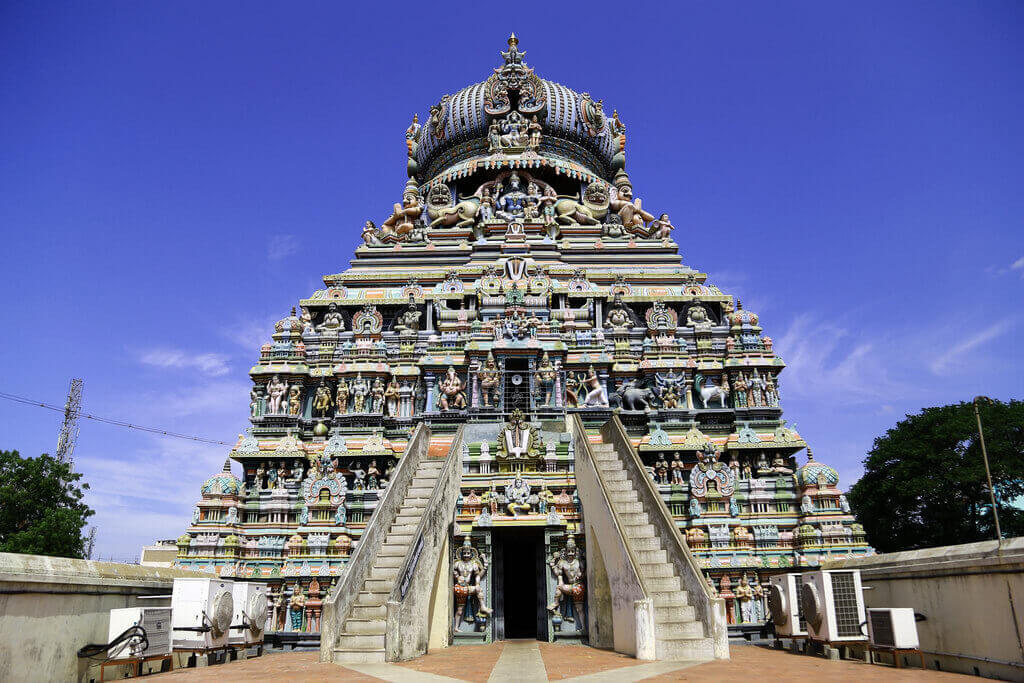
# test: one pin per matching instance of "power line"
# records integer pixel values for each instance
(110, 421)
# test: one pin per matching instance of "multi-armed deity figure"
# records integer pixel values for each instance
(469, 569)
(453, 394)
(568, 570)
(518, 493)
(408, 323)
(490, 379)
(546, 374)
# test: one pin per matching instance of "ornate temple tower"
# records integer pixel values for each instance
(519, 282)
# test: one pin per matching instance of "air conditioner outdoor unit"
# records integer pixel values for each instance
(784, 603)
(250, 617)
(155, 621)
(893, 627)
(833, 605)
(201, 613)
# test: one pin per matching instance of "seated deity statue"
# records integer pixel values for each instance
(370, 234)
(408, 323)
(660, 228)
(453, 394)
(276, 390)
(510, 203)
(697, 318)
(628, 209)
(332, 322)
(618, 314)
(490, 378)
(568, 570)
(404, 216)
(518, 493)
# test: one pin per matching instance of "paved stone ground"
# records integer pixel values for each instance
(523, 661)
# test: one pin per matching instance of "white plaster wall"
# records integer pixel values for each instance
(52, 606)
(971, 595)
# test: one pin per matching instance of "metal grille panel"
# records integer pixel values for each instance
(844, 593)
(881, 628)
(798, 581)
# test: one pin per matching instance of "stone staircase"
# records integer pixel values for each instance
(362, 637)
(679, 634)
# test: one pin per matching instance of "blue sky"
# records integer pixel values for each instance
(174, 176)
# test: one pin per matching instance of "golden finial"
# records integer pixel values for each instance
(512, 40)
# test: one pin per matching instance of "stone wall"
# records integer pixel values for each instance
(52, 606)
(972, 598)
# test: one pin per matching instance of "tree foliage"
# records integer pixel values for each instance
(41, 508)
(924, 481)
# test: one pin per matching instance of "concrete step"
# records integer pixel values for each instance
(601, 446)
(379, 585)
(402, 529)
(639, 530)
(393, 550)
(419, 491)
(604, 456)
(673, 597)
(628, 506)
(633, 518)
(645, 543)
(685, 649)
(358, 641)
(367, 627)
(368, 599)
(369, 612)
(629, 496)
(411, 503)
(681, 612)
(389, 560)
(383, 573)
(430, 464)
(679, 629)
(619, 485)
(402, 518)
(615, 475)
(651, 556)
(351, 656)
(665, 583)
(658, 570)
(400, 539)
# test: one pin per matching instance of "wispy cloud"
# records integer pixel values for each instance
(1018, 266)
(250, 333)
(825, 361)
(282, 246)
(210, 364)
(945, 362)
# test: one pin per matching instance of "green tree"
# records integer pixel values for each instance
(924, 481)
(41, 508)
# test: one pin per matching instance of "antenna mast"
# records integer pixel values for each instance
(69, 428)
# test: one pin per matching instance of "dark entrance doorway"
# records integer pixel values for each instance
(517, 384)
(519, 584)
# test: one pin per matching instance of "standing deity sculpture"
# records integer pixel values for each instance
(372, 476)
(756, 386)
(360, 391)
(771, 392)
(358, 476)
(534, 130)
(391, 396)
(677, 469)
(377, 396)
(596, 394)
(568, 570)
(661, 469)
(341, 397)
(295, 400)
(739, 387)
(745, 594)
(489, 377)
(453, 394)
(297, 606)
(322, 400)
(517, 492)
(272, 477)
(261, 473)
(332, 322)
(546, 375)
(254, 402)
(276, 389)
(469, 569)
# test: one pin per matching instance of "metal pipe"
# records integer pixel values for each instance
(988, 473)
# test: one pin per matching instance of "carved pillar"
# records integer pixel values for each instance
(431, 406)
(558, 384)
(474, 396)
(430, 316)
(689, 393)
(485, 458)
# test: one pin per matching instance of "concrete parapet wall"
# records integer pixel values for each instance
(972, 598)
(52, 606)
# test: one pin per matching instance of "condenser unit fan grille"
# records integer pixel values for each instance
(798, 581)
(881, 628)
(844, 592)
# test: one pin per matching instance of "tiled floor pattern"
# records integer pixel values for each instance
(525, 661)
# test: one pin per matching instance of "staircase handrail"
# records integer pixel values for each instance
(704, 602)
(338, 605)
(643, 607)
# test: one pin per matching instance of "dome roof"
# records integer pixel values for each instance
(574, 125)
(812, 472)
(289, 324)
(743, 318)
(223, 483)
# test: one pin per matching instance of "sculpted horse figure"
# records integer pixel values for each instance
(709, 392)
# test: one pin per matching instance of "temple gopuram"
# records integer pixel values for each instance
(522, 318)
